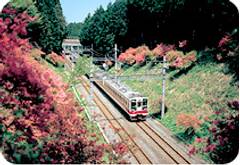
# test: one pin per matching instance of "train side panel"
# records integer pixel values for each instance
(122, 103)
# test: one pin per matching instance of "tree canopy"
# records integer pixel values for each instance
(53, 25)
(49, 29)
(73, 30)
(105, 27)
(133, 23)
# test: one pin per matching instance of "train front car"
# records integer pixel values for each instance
(133, 103)
(138, 108)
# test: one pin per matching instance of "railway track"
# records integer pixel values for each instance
(162, 143)
(136, 151)
(134, 148)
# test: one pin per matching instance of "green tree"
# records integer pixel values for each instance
(85, 32)
(105, 27)
(53, 25)
(26, 5)
(73, 30)
(131, 23)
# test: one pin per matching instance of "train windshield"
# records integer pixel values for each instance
(134, 104)
(144, 103)
(139, 104)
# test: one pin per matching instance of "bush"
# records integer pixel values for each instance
(221, 140)
(39, 120)
(190, 123)
(176, 59)
(55, 59)
(179, 60)
(162, 49)
(228, 52)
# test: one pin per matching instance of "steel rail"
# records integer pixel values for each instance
(162, 143)
(140, 156)
(156, 137)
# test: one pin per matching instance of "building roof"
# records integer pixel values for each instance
(71, 42)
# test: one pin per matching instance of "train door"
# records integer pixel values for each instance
(145, 102)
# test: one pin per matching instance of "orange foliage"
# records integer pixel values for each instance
(56, 59)
(179, 60)
(187, 121)
(134, 55)
(162, 49)
(36, 52)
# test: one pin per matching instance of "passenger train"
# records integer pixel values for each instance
(133, 103)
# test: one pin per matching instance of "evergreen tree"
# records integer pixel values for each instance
(105, 27)
(73, 30)
(84, 35)
(131, 23)
(53, 25)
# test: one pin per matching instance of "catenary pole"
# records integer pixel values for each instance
(163, 86)
(91, 75)
(115, 56)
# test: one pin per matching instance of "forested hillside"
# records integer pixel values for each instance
(131, 23)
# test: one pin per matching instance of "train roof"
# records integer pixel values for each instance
(118, 85)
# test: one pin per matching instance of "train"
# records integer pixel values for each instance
(133, 103)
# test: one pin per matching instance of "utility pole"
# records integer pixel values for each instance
(92, 49)
(91, 76)
(163, 87)
(115, 56)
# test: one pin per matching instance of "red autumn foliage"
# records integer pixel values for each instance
(134, 55)
(140, 58)
(176, 59)
(141, 53)
(221, 141)
(40, 122)
(224, 41)
(182, 43)
(192, 150)
(162, 49)
(198, 140)
(55, 59)
(120, 148)
(128, 56)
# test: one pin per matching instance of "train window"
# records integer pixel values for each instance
(133, 104)
(139, 104)
(144, 103)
